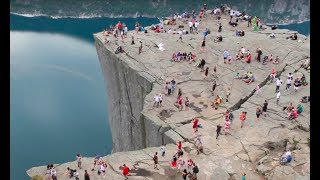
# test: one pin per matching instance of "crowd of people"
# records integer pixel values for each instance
(187, 167)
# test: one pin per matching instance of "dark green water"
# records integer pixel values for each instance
(58, 102)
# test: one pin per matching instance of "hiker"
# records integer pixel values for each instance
(195, 25)
(201, 65)
(216, 102)
(243, 177)
(225, 55)
(305, 99)
(70, 172)
(179, 145)
(53, 174)
(163, 150)
(155, 159)
(206, 72)
(228, 94)
(264, 108)
(179, 101)
(272, 75)
(102, 168)
(76, 175)
(169, 88)
(218, 39)
(203, 45)
(293, 37)
(288, 83)
(276, 60)
(243, 116)
(258, 112)
(86, 175)
(278, 84)
(286, 158)
(187, 103)
(190, 26)
(95, 161)
(173, 85)
(195, 124)
(160, 99)
(79, 157)
(199, 146)
(125, 171)
(156, 100)
(259, 53)
(294, 114)
(278, 97)
(180, 36)
(140, 47)
(214, 86)
(297, 83)
(179, 92)
(174, 161)
(227, 126)
(184, 174)
(189, 164)
(195, 169)
(300, 109)
(218, 130)
(181, 163)
(205, 33)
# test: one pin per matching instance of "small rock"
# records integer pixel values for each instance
(263, 169)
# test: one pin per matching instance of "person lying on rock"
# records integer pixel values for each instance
(293, 37)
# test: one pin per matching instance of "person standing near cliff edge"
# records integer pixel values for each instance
(125, 171)
(79, 157)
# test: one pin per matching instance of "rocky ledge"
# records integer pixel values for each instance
(134, 79)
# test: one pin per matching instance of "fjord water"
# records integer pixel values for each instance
(58, 101)
(58, 98)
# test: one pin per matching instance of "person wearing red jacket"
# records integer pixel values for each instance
(195, 124)
(125, 171)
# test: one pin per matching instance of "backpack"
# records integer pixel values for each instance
(196, 169)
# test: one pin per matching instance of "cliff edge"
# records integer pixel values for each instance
(134, 79)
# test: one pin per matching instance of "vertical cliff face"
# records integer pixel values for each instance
(126, 89)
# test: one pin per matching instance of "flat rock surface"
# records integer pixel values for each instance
(229, 155)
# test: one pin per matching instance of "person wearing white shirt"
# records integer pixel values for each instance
(288, 83)
(278, 82)
(191, 26)
(163, 150)
(156, 100)
(196, 24)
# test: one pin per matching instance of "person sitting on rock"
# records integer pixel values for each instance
(300, 109)
(303, 80)
(218, 39)
(216, 102)
(199, 145)
(272, 35)
(297, 83)
(294, 114)
(276, 60)
(286, 158)
(250, 80)
(293, 37)
(265, 60)
(248, 58)
(305, 99)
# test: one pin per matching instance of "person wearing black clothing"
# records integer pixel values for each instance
(184, 174)
(218, 130)
(249, 21)
(86, 175)
(259, 53)
(264, 108)
(202, 63)
(195, 170)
